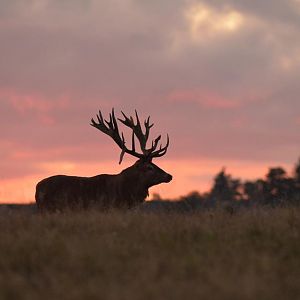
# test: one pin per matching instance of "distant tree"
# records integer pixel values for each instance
(193, 200)
(225, 189)
(276, 174)
(236, 188)
(276, 189)
(297, 173)
(220, 189)
(279, 188)
(250, 190)
(296, 191)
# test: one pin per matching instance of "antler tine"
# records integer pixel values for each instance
(123, 149)
(137, 131)
(162, 150)
(109, 123)
(115, 125)
(143, 137)
(110, 127)
(100, 125)
(128, 122)
(137, 119)
(133, 141)
(99, 117)
(155, 143)
(148, 127)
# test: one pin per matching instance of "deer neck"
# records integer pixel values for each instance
(132, 185)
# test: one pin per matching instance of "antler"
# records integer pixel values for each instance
(111, 128)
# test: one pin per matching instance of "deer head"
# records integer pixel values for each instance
(146, 173)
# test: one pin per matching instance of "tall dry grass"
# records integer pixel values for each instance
(252, 254)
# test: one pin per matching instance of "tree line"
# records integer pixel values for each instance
(276, 189)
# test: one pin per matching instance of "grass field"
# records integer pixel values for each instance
(253, 254)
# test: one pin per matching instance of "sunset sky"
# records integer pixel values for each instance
(222, 78)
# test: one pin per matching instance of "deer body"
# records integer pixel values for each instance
(124, 190)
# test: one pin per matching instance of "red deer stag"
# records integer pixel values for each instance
(124, 190)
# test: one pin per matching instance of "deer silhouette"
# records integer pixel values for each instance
(124, 190)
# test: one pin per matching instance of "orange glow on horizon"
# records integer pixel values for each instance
(188, 176)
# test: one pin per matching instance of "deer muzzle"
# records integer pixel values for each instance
(168, 178)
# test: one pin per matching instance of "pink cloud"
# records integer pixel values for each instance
(35, 104)
(205, 98)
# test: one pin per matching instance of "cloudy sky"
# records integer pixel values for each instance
(221, 77)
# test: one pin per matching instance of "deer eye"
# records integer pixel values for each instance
(150, 167)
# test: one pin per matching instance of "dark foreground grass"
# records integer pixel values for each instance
(252, 254)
